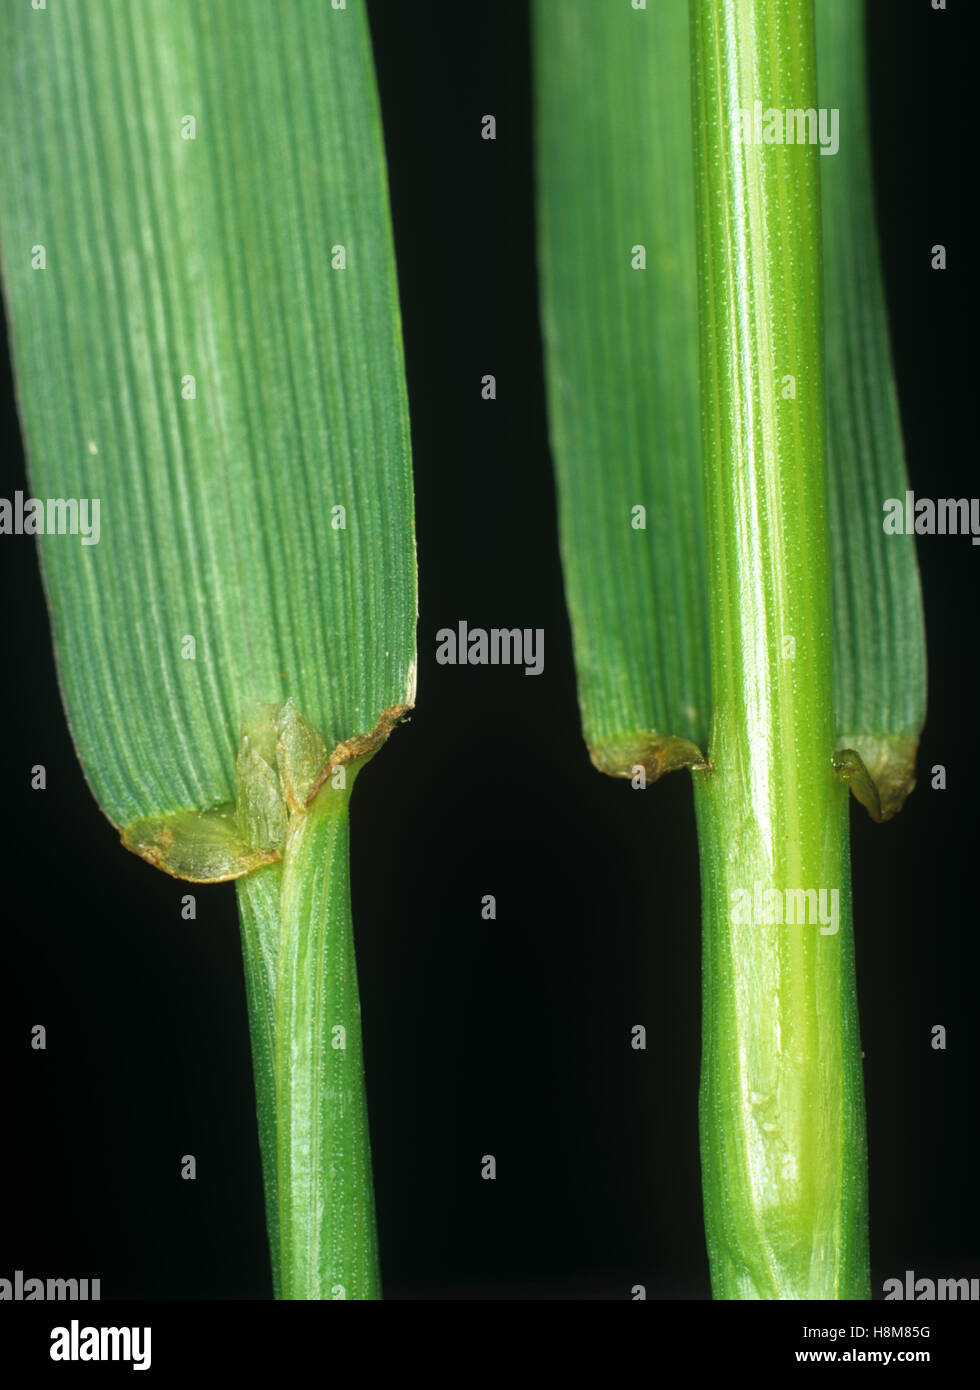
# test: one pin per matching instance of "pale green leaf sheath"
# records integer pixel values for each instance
(782, 1116)
(200, 285)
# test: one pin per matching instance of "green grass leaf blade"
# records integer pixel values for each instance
(880, 674)
(212, 258)
(616, 187)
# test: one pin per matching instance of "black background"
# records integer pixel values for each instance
(508, 1037)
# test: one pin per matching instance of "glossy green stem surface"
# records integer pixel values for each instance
(782, 1110)
(328, 1235)
(258, 914)
(305, 1021)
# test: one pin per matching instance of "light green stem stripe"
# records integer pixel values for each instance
(258, 913)
(783, 1150)
(328, 1233)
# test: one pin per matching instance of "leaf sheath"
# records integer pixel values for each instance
(782, 1118)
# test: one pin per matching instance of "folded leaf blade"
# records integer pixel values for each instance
(880, 670)
(617, 260)
(212, 349)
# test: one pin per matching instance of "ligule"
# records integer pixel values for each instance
(217, 845)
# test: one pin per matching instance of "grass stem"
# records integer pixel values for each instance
(782, 1111)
